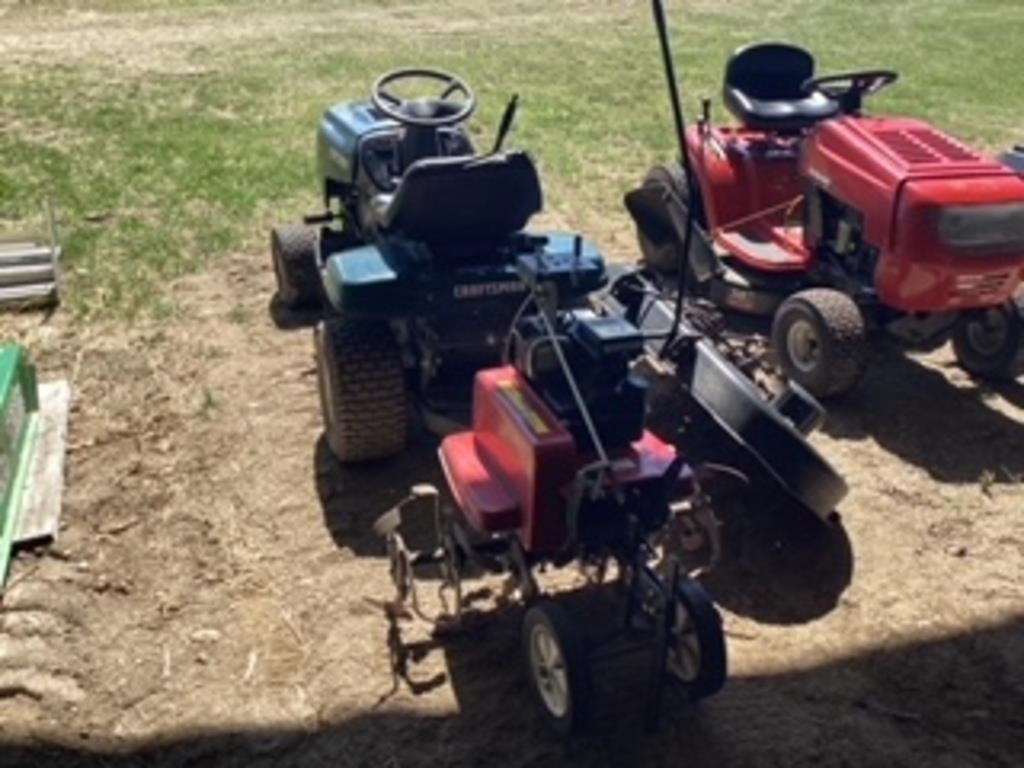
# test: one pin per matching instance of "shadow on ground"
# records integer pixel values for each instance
(952, 433)
(285, 319)
(780, 564)
(951, 701)
(353, 497)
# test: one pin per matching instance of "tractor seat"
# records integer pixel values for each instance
(763, 89)
(443, 200)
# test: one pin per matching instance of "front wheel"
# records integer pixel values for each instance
(293, 251)
(820, 339)
(989, 343)
(558, 666)
(696, 642)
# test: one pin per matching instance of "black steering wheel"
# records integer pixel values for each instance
(850, 88)
(424, 113)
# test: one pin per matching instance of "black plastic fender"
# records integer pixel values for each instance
(753, 422)
(772, 432)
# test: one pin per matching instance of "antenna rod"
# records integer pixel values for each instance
(673, 84)
(661, 22)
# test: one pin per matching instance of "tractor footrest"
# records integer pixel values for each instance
(766, 253)
(487, 505)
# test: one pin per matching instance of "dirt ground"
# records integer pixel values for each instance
(215, 596)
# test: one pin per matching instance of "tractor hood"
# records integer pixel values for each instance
(900, 148)
(871, 163)
(947, 221)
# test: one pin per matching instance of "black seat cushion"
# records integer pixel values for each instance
(464, 199)
(763, 88)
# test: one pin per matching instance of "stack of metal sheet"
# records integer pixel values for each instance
(29, 269)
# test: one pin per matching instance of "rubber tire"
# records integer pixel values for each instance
(707, 623)
(363, 396)
(1008, 363)
(293, 251)
(577, 666)
(840, 328)
(663, 257)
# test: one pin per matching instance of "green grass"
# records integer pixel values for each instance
(171, 133)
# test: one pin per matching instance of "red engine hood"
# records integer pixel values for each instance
(902, 148)
(866, 162)
(899, 173)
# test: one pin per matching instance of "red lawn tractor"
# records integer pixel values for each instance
(837, 224)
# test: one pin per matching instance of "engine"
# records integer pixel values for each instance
(838, 231)
(599, 351)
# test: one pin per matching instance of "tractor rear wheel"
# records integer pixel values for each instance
(664, 188)
(989, 343)
(363, 395)
(558, 666)
(821, 341)
(293, 250)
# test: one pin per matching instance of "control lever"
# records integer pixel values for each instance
(507, 120)
(320, 218)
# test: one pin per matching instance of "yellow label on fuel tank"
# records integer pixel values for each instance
(521, 405)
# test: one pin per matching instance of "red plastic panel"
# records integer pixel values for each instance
(487, 504)
(901, 147)
(522, 443)
(515, 469)
(648, 459)
(750, 184)
(919, 272)
(865, 162)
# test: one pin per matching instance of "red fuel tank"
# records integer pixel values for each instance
(514, 471)
(518, 449)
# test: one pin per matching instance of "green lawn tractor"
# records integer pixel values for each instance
(411, 271)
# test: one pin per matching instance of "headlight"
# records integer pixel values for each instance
(983, 227)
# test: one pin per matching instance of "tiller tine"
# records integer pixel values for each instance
(404, 561)
(389, 522)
